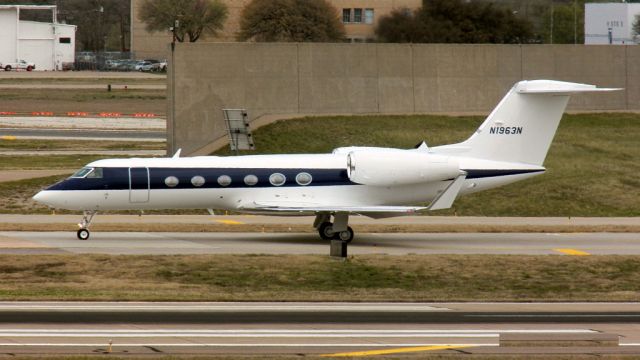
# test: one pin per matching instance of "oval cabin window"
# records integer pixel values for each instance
(250, 180)
(197, 181)
(224, 180)
(304, 179)
(171, 181)
(277, 179)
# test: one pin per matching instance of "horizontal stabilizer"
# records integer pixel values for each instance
(449, 195)
(557, 87)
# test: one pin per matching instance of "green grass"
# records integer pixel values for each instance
(85, 95)
(318, 278)
(31, 145)
(592, 166)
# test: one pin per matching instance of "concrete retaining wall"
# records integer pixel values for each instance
(275, 81)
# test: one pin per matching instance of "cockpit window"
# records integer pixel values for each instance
(95, 174)
(82, 172)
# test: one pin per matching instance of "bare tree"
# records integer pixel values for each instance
(290, 20)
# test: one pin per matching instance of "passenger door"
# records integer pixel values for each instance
(139, 185)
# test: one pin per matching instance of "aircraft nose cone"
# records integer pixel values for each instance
(41, 197)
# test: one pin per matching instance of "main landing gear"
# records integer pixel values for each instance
(336, 230)
(83, 233)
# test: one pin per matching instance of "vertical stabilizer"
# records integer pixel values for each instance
(522, 126)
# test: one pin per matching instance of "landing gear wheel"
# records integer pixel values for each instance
(83, 234)
(326, 231)
(345, 236)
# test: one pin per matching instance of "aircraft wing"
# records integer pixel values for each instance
(443, 201)
(371, 211)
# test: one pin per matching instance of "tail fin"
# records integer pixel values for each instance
(522, 126)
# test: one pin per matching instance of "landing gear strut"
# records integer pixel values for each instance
(83, 233)
(338, 230)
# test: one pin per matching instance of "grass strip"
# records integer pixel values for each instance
(319, 278)
(46, 145)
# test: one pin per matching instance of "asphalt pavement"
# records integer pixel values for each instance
(316, 328)
(156, 243)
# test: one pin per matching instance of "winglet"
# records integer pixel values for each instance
(449, 195)
(177, 154)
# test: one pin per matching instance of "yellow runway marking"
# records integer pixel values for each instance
(230, 222)
(8, 137)
(572, 252)
(395, 351)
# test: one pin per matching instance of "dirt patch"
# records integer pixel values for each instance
(14, 175)
(84, 100)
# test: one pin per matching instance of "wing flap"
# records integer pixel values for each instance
(375, 211)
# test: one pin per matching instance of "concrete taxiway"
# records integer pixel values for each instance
(304, 243)
(84, 134)
(317, 328)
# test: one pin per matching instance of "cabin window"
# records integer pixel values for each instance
(224, 180)
(197, 181)
(304, 178)
(171, 181)
(82, 172)
(250, 180)
(277, 179)
(95, 174)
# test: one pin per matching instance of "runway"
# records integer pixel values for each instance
(159, 243)
(329, 328)
(85, 134)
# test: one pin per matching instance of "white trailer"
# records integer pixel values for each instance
(50, 46)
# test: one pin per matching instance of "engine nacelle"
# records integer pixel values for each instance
(399, 167)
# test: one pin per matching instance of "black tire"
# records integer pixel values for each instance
(29, 68)
(345, 236)
(326, 231)
(7, 68)
(83, 234)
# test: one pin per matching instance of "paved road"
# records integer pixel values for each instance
(354, 220)
(308, 328)
(301, 243)
(85, 134)
(80, 75)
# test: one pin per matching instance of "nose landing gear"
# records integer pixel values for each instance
(83, 232)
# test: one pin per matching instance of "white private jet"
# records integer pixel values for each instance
(509, 146)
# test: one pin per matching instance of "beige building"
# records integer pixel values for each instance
(360, 18)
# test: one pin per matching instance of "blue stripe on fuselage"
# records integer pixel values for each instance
(485, 173)
(118, 178)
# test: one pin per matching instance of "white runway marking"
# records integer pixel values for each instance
(303, 331)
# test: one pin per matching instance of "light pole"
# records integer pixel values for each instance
(174, 28)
